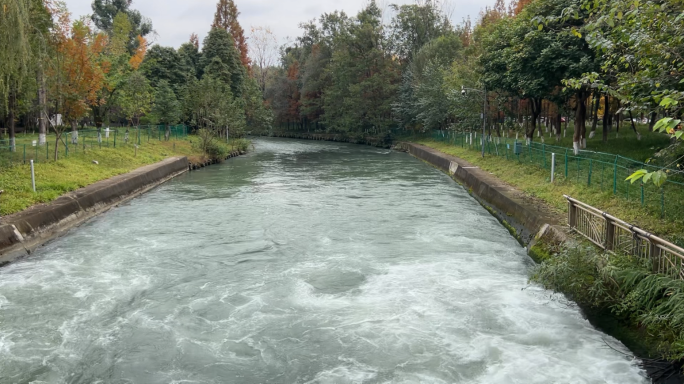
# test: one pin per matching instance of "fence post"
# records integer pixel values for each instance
(610, 234)
(553, 166)
(572, 214)
(591, 166)
(24, 153)
(615, 176)
(33, 178)
(654, 250)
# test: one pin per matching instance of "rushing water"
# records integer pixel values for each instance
(302, 262)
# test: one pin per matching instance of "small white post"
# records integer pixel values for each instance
(33, 177)
(553, 166)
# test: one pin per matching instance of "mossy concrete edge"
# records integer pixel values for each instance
(530, 221)
(23, 232)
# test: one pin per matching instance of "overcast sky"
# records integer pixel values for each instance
(175, 20)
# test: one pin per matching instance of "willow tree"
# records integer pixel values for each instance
(17, 55)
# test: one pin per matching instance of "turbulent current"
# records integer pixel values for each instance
(302, 262)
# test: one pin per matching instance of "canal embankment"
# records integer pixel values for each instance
(22, 232)
(618, 293)
(528, 219)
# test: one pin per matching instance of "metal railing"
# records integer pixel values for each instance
(615, 235)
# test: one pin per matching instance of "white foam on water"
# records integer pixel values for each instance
(303, 263)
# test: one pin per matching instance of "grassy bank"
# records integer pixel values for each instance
(54, 178)
(535, 181)
(620, 293)
(644, 310)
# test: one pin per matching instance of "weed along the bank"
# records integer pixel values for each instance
(397, 193)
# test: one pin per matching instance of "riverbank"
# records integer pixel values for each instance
(80, 169)
(620, 305)
(380, 142)
(23, 231)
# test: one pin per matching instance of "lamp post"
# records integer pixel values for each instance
(464, 91)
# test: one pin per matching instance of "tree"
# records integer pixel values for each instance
(164, 64)
(136, 97)
(226, 18)
(190, 58)
(104, 15)
(75, 74)
(114, 62)
(531, 60)
(364, 78)
(23, 27)
(166, 109)
(414, 26)
(221, 58)
(263, 50)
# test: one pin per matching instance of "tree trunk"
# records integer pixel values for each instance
(57, 136)
(652, 121)
(167, 135)
(12, 135)
(618, 117)
(580, 121)
(74, 132)
(536, 111)
(42, 109)
(631, 119)
(594, 117)
(606, 114)
(559, 124)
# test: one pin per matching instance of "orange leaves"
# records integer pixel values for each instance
(78, 72)
(139, 55)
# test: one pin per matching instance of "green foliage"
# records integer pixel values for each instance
(104, 18)
(624, 284)
(136, 97)
(166, 109)
(414, 26)
(220, 59)
(164, 64)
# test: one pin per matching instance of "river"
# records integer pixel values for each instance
(301, 262)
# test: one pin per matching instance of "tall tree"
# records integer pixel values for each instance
(264, 50)
(226, 18)
(23, 32)
(166, 109)
(221, 59)
(75, 75)
(105, 11)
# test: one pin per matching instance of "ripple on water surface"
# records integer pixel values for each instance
(302, 262)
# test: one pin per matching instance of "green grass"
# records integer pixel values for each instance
(55, 178)
(535, 181)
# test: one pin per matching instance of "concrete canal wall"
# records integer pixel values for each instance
(23, 232)
(527, 219)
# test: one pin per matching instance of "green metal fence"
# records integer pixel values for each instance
(603, 171)
(27, 149)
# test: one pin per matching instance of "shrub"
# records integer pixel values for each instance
(626, 286)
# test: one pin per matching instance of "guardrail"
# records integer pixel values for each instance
(617, 236)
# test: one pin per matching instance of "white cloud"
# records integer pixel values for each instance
(175, 20)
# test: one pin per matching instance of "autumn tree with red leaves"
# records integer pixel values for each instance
(226, 17)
